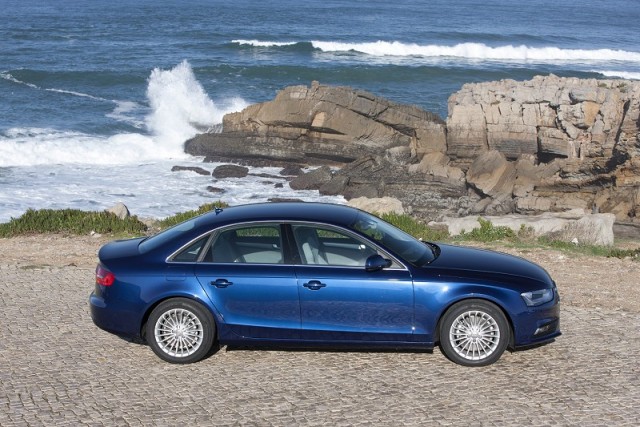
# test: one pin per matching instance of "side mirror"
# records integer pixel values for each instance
(376, 262)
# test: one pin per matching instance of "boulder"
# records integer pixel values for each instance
(120, 210)
(292, 170)
(378, 205)
(230, 171)
(574, 225)
(312, 180)
(196, 169)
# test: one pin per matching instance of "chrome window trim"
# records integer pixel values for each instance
(216, 231)
(169, 259)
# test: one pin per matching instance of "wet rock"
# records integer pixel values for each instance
(312, 180)
(196, 169)
(230, 171)
(216, 190)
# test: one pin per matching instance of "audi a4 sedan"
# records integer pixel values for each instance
(317, 275)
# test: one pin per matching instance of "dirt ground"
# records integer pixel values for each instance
(583, 281)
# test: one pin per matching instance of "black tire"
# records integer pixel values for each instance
(474, 333)
(180, 330)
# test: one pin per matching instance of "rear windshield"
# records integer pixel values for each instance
(167, 235)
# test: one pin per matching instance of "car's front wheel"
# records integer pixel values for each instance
(180, 331)
(474, 333)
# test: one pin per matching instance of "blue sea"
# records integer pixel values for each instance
(97, 97)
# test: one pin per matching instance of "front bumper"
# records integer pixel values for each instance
(538, 325)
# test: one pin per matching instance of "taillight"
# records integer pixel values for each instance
(104, 277)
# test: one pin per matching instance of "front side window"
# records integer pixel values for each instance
(250, 244)
(321, 245)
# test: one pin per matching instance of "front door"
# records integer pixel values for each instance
(340, 300)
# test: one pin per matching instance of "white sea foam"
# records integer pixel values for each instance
(620, 74)
(149, 189)
(259, 43)
(479, 51)
(80, 94)
(180, 108)
(124, 111)
(9, 77)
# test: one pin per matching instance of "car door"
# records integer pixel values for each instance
(245, 275)
(339, 299)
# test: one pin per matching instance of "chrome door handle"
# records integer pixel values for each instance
(314, 285)
(221, 283)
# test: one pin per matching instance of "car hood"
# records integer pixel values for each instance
(462, 261)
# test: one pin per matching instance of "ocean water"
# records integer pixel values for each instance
(97, 97)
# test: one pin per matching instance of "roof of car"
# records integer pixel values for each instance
(288, 211)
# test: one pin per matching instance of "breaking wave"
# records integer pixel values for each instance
(179, 109)
(480, 51)
(620, 74)
(476, 51)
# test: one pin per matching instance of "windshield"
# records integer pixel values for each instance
(394, 239)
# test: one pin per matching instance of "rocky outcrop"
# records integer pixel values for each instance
(550, 144)
(120, 210)
(321, 125)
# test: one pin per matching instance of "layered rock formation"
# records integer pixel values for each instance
(321, 125)
(548, 144)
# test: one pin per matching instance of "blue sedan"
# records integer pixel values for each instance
(317, 275)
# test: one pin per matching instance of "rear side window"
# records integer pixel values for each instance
(192, 251)
(252, 244)
(167, 235)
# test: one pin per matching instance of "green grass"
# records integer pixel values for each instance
(70, 221)
(487, 232)
(594, 250)
(410, 225)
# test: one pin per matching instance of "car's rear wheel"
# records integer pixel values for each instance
(180, 331)
(474, 333)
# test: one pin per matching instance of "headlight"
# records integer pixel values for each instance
(537, 297)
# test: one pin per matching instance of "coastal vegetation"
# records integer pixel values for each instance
(71, 221)
(78, 222)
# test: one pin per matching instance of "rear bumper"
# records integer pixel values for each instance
(112, 319)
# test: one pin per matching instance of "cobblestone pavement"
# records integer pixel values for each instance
(57, 368)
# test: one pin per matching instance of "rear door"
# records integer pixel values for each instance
(245, 275)
(339, 299)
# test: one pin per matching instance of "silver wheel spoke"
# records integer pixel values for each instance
(474, 335)
(179, 332)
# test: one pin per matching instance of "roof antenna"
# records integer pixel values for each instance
(218, 210)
